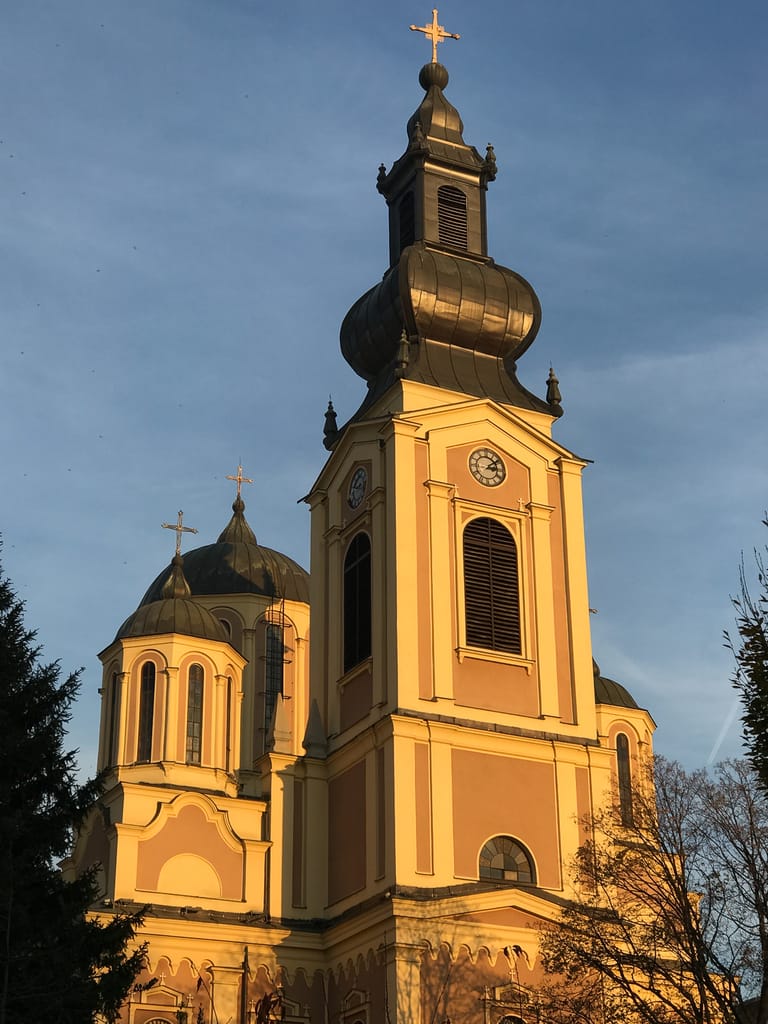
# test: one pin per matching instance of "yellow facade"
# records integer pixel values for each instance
(368, 822)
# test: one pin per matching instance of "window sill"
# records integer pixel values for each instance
(500, 657)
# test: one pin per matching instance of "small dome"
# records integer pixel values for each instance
(173, 615)
(237, 564)
(608, 691)
(173, 611)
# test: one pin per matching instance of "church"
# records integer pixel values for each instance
(350, 795)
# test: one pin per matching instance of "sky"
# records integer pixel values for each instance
(188, 209)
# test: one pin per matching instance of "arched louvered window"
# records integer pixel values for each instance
(357, 601)
(625, 780)
(146, 711)
(274, 654)
(194, 714)
(503, 859)
(114, 719)
(491, 591)
(452, 216)
(406, 214)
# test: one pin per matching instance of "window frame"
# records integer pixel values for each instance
(524, 852)
(516, 523)
(193, 751)
(113, 726)
(624, 779)
(357, 652)
(271, 693)
(145, 729)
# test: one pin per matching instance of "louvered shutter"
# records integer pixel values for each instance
(452, 216)
(491, 591)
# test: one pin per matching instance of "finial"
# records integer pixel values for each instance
(434, 32)
(179, 528)
(490, 162)
(554, 398)
(381, 177)
(418, 139)
(240, 479)
(331, 427)
(403, 355)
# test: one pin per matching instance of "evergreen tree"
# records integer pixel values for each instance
(750, 648)
(56, 962)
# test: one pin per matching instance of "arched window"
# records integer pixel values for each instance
(357, 601)
(194, 714)
(146, 711)
(491, 592)
(625, 780)
(274, 654)
(452, 216)
(502, 859)
(407, 220)
(114, 719)
(228, 730)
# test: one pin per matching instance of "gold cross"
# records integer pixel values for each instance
(179, 528)
(240, 479)
(434, 32)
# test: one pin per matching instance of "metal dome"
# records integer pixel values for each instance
(237, 564)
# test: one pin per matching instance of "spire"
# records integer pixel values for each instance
(466, 319)
(237, 529)
(436, 190)
(176, 585)
(330, 427)
(554, 398)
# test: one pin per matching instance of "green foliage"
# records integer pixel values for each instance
(56, 963)
(750, 648)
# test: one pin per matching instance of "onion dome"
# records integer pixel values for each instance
(466, 318)
(608, 691)
(173, 612)
(237, 564)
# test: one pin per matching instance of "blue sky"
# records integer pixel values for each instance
(187, 195)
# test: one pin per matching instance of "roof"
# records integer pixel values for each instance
(173, 611)
(237, 564)
(608, 691)
(173, 615)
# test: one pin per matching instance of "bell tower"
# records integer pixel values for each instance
(451, 663)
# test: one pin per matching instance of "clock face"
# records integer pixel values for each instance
(357, 487)
(487, 467)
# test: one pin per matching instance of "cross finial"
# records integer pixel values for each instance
(240, 479)
(436, 33)
(179, 528)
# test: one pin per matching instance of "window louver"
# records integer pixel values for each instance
(491, 591)
(452, 216)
